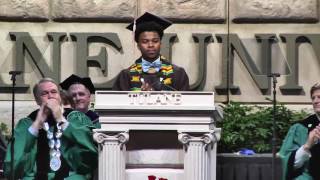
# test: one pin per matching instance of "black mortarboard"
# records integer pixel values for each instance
(74, 79)
(148, 17)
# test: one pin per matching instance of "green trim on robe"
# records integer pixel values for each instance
(296, 137)
(97, 125)
(77, 147)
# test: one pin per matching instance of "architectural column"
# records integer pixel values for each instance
(111, 155)
(199, 150)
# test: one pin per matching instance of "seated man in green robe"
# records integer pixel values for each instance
(152, 71)
(52, 143)
(300, 151)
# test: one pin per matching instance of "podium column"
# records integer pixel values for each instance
(199, 153)
(111, 154)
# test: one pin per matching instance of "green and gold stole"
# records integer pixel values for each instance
(166, 73)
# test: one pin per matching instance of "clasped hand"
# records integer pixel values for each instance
(313, 138)
(146, 87)
(50, 106)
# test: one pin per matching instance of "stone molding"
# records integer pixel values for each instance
(207, 139)
(246, 11)
(193, 11)
(187, 10)
(91, 10)
(24, 10)
(102, 138)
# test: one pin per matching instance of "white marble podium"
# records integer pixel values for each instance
(190, 114)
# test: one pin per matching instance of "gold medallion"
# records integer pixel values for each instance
(152, 70)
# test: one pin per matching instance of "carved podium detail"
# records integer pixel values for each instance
(199, 149)
(112, 149)
(191, 114)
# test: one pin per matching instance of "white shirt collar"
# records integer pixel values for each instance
(158, 59)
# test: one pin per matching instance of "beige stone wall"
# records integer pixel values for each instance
(242, 17)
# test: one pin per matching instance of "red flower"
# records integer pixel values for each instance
(163, 179)
(152, 177)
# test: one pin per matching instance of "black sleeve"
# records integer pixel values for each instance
(122, 82)
(292, 172)
(181, 82)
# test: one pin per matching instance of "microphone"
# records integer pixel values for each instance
(15, 72)
(13, 79)
(274, 75)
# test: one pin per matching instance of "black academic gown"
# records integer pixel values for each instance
(174, 78)
(94, 117)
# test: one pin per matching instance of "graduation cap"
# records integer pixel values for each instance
(148, 17)
(74, 79)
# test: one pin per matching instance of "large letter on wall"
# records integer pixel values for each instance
(167, 41)
(293, 41)
(84, 60)
(235, 44)
(25, 44)
(203, 40)
(292, 84)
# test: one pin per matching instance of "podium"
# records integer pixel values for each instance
(191, 115)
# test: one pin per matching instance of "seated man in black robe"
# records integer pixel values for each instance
(81, 89)
(151, 71)
(300, 151)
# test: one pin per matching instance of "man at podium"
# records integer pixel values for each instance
(151, 72)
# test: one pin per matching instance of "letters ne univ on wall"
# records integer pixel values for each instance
(25, 46)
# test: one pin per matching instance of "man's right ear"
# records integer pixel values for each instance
(138, 47)
(38, 101)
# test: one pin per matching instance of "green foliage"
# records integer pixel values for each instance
(246, 126)
(5, 130)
